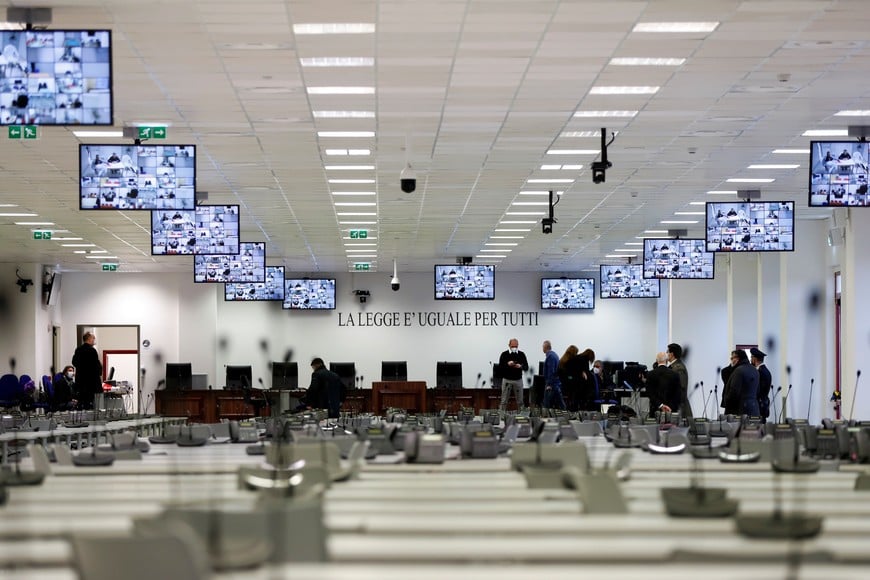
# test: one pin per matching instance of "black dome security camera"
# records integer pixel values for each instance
(408, 179)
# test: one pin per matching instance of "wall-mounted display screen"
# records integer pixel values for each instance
(208, 229)
(465, 282)
(627, 281)
(249, 265)
(309, 294)
(838, 173)
(677, 259)
(271, 289)
(750, 226)
(56, 77)
(137, 177)
(567, 293)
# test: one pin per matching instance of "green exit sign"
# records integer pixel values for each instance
(152, 132)
(110, 267)
(359, 234)
(362, 266)
(42, 234)
(23, 132)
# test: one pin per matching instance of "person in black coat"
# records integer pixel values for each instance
(764, 381)
(741, 392)
(326, 390)
(65, 391)
(663, 387)
(89, 370)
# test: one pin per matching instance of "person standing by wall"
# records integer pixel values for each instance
(675, 362)
(89, 370)
(512, 364)
(552, 384)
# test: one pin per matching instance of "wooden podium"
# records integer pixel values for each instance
(408, 395)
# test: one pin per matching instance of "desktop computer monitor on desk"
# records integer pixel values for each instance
(239, 377)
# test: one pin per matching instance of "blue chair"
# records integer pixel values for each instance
(10, 391)
(48, 389)
(28, 392)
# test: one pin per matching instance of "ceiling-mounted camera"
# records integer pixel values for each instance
(23, 283)
(547, 225)
(599, 168)
(408, 179)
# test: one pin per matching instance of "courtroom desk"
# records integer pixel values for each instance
(408, 395)
(357, 401)
(478, 399)
(213, 405)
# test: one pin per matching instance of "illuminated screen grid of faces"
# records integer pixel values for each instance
(750, 227)
(137, 177)
(838, 173)
(208, 229)
(271, 289)
(55, 77)
(309, 294)
(568, 293)
(681, 259)
(474, 282)
(248, 266)
(627, 281)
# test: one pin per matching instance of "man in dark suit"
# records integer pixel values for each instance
(764, 381)
(675, 362)
(663, 387)
(89, 370)
(326, 390)
(741, 392)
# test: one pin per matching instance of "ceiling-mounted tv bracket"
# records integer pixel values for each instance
(748, 194)
(677, 234)
(862, 132)
(132, 133)
(31, 18)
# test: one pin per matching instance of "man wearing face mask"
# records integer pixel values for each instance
(512, 364)
(64, 387)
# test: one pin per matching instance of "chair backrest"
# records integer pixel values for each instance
(10, 388)
(48, 386)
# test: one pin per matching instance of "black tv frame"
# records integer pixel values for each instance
(700, 244)
(394, 370)
(650, 282)
(854, 184)
(747, 208)
(567, 280)
(234, 376)
(194, 216)
(448, 374)
(30, 60)
(179, 377)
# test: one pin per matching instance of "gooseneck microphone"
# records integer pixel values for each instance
(854, 395)
(810, 404)
(705, 398)
(783, 415)
(774, 397)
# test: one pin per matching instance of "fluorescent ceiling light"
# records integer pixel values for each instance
(750, 180)
(518, 222)
(98, 133)
(508, 244)
(358, 245)
(573, 152)
(340, 90)
(675, 27)
(792, 151)
(354, 193)
(655, 231)
(337, 61)
(826, 133)
(348, 152)
(614, 256)
(641, 61)
(350, 250)
(550, 167)
(571, 168)
(502, 250)
(722, 192)
(511, 229)
(351, 181)
(697, 203)
(355, 213)
(689, 213)
(79, 252)
(530, 203)
(633, 244)
(102, 257)
(853, 113)
(679, 221)
(507, 237)
(79, 245)
(356, 223)
(345, 133)
(65, 239)
(334, 28)
(628, 250)
(489, 257)
(623, 90)
(34, 223)
(355, 204)
(774, 166)
(531, 192)
(99, 251)
(19, 214)
(348, 167)
(343, 114)
(525, 213)
(597, 114)
(549, 181)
